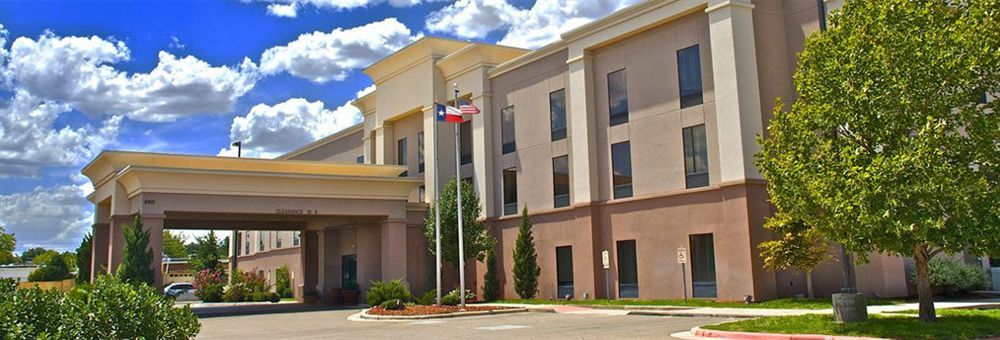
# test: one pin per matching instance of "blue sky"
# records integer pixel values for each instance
(192, 76)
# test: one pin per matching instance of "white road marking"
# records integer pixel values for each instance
(501, 327)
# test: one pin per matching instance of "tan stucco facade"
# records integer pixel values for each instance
(746, 56)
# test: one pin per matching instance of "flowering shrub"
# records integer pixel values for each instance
(208, 285)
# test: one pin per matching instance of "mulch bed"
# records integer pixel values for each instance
(431, 310)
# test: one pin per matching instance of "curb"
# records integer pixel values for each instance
(365, 315)
(699, 332)
(703, 314)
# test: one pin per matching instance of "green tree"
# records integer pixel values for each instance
(797, 246)
(173, 246)
(476, 236)
(526, 268)
(137, 259)
(54, 269)
(887, 148)
(83, 256)
(208, 253)
(491, 285)
(282, 282)
(29, 255)
(7, 244)
(43, 257)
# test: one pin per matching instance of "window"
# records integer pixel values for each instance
(246, 243)
(564, 272)
(295, 238)
(509, 191)
(401, 154)
(239, 245)
(695, 157)
(703, 266)
(260, 241)
(617, 97)
(360, 159)
(420, 152)
(560, 181)
(421, 192)
(277, 239)
(557, 111)
(628, 273)
(507, 129)
(348, 270)
(621, 163)
(465, 136)
(689, 75)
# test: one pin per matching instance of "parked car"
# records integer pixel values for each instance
(181, 291)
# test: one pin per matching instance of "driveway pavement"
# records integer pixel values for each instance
(333, 324)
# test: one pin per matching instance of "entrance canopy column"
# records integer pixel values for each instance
(394, 249)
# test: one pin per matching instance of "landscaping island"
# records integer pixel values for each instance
(787, 303)
(952, 324)
(421, 310)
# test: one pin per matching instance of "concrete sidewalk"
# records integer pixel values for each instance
(730, 312)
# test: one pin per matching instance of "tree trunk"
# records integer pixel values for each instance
(924, 293)
(809, 285)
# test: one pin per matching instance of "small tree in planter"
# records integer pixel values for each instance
(526, 268)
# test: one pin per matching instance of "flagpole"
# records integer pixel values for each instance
(437, 209)
(458, 200)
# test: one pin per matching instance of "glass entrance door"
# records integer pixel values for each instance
(348, 271)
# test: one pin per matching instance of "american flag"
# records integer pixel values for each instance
(468, 109)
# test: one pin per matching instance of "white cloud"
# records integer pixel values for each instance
(527, 28)
(268, 131)
(289, 8)
(473, 18)
(322, 57)
(28, 140)
(176, 43)
(365, 91)
(50, 217)
(78, 71)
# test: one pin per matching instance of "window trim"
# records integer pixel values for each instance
(621, 118)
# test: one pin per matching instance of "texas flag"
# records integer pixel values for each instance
(448, 114)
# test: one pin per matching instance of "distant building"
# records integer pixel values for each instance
(18, 272)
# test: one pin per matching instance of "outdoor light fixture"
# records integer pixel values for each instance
(239, 148)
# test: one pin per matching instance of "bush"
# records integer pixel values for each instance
(453, 299)
(237, 292)
(427, 298)
(208, 285)
(261, 297)
(108, 309)
(55, 269)
(256, 282)
(394, 304)
(275, 297)
(953, 278)
(384, 291)
(282, 282)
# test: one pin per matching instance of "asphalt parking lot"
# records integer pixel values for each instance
(333, 324)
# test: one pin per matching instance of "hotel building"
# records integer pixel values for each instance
(632, 134)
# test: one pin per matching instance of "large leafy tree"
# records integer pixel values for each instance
(83, 256)
(526, 269)
(7, 244)
(796, 246)
(137, 259)
(30, 254)
(476, 237)
(208, 253)
(888, 147)
(173, 246)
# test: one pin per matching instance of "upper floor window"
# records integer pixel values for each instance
(465, 136)
(246, 243)
(401, 154)
(695, 157)
(621, 165)
(557, 111)
(689, 75)
(420, 152)
(360, 159)
(277, 239)
(507, 129)
(617, 97)
(260, 241)
(421, 192)
(295, 238)
(560, 181)
(509, 191)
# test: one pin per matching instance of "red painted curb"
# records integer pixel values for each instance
(697, 331)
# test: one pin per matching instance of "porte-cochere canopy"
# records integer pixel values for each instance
(320, 199)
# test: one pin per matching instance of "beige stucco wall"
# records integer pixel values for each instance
(269, 262)
(343, 150)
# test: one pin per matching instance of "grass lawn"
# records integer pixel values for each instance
(288, 299)
(952, 324)
(789, 303)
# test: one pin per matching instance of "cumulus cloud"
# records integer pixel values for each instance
(29, 142)
(322, 57)
(78, 71)
(289, 8)
(49, 217)
(268, 131)
(365, 91)
(527, 28)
